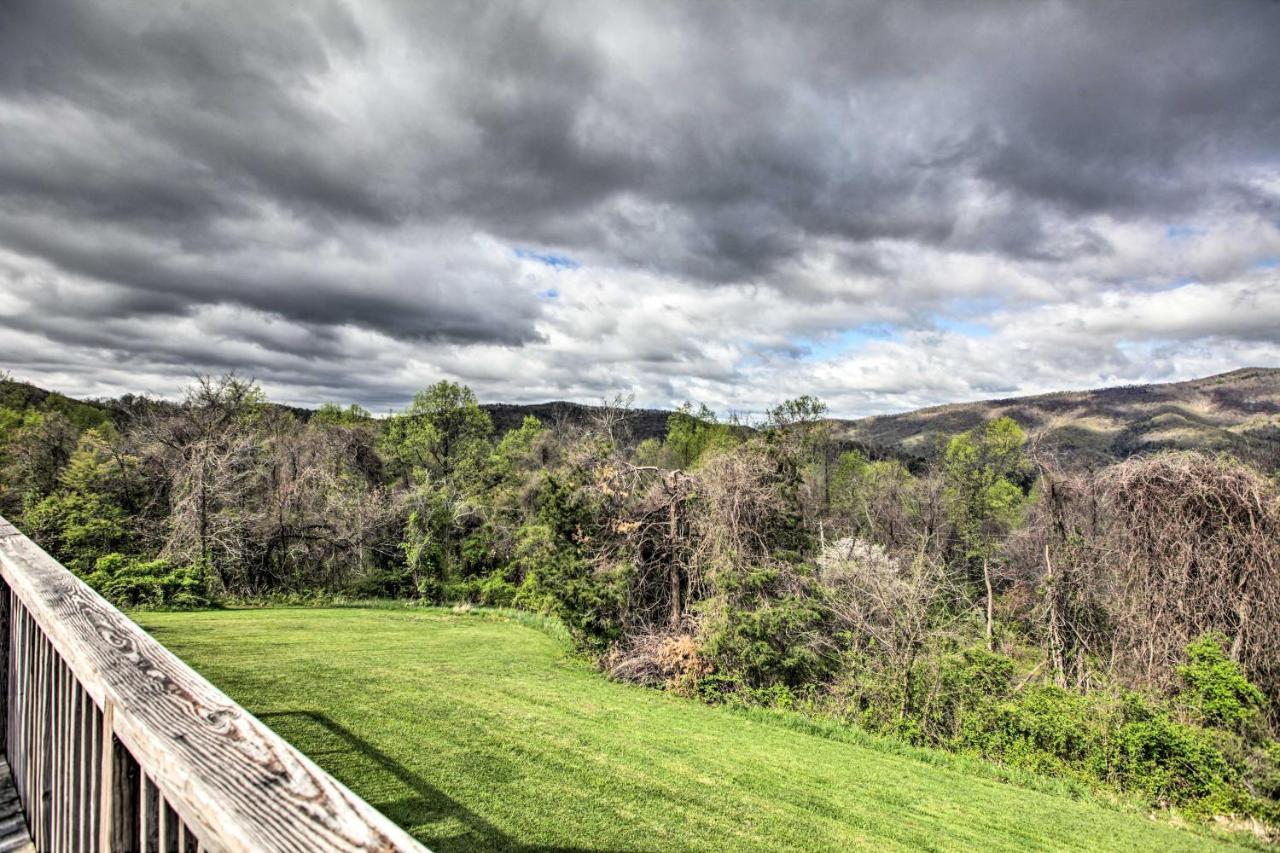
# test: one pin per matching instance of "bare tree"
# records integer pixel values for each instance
(1133, 562)
(886, 602)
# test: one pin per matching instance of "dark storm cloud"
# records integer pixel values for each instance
(374, 166)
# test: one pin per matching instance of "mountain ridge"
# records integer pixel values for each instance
(1237, 412)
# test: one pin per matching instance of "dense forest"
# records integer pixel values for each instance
(1115, 624)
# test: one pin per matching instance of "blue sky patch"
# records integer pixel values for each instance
(551, 259)
(1182, 232)
(823, 347)
(963, 327)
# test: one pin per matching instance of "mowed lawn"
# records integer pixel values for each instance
(477, 732)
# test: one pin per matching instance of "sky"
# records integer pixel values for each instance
(883, 205)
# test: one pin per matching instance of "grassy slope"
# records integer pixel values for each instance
(482, 733)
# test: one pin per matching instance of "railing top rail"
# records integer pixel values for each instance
(235, 782)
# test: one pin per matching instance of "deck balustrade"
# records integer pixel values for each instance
(116, 744)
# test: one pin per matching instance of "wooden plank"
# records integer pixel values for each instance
(17, 691)
(167, 832)
(234, 783)
(75, 775)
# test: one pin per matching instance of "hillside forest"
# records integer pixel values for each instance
(1115, 624)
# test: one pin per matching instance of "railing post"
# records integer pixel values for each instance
(4, 662)
(125, 800)
(106, 806)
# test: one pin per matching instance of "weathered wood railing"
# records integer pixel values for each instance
(116, 744)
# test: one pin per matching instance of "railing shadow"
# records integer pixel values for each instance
(429, 805)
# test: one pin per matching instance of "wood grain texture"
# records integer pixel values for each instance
(232, 782)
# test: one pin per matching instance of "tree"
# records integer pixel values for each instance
(440, 444)
(886, 604)
(804, 410)
(983, 500)
(332, 414)
(443, 430)
(692, 433)
(88, 516)
(205, 450)
(37, 446)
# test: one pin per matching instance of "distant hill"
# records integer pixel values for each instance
(1236, 412)
(640, 423)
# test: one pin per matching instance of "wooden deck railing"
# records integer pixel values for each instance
(116, 744)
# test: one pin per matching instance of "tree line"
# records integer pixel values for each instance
(1116, 626)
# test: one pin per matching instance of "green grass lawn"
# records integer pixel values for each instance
(478, 732)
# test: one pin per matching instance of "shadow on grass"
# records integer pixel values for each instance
(428, 805)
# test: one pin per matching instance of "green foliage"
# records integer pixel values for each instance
(515, 451)
(1042, 728)
(428, 541)
(649, 453)
(1136, 745)
(859, 487)
(496, 591)
(980, 468)
(847, 476)
(1170, 761)
(34, 448)
(332, 414)
(568, 525)
(800, 410)
(129, 582)
(965, 701)
(556, 582)
(77, 528)
(1215, 688)
(86, 517)
(441, 443)
(946, 690)
(443, 431)
(693, 433)
(765, 641)
(19, 397)
(388, 582)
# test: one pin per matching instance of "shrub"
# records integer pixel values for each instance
(1042, 728)
(129, 582)
(944, 692)
(557, 582)
(496, 591)
(1171, 762)
(769, 644)
(383, 583)
(660, 659)
(1215, 688)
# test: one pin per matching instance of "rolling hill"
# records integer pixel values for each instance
(1236, 412)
